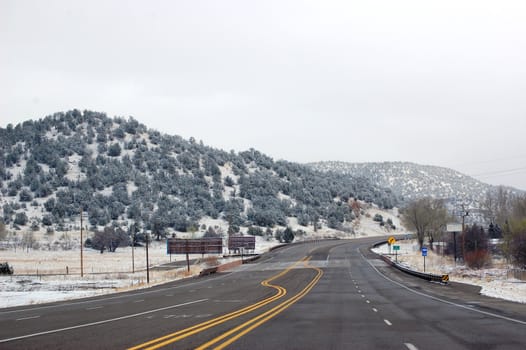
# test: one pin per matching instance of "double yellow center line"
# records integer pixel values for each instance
(244, 328)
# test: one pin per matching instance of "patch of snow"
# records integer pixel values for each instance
(493, 281)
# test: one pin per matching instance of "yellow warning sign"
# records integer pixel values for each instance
(445, 278)
(391, 240)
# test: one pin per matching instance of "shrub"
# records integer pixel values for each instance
(477, 259)
(475, 241)
(255, 231)
(378, 218)
(5, 269)
(21, 219)
(518, 249)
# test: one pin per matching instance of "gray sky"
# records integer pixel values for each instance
(432, 82)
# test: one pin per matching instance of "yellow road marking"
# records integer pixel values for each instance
(264, 317)
(173, 337)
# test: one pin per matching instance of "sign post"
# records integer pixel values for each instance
(194, 246)
(236, 243)
(454, 228)
(390, 241)
(396, 248)
(424, 254)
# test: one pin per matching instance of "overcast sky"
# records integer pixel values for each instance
(432, 82)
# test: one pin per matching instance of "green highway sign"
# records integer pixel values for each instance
(396, 247)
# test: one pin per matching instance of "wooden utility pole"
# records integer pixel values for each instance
(81, 246)
(147, 265)
(133, 249)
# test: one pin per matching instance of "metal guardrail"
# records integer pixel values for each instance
(427, 276)
(208, 271)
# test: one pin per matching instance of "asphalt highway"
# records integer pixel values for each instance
(319, 295)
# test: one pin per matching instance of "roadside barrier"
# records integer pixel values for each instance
(208, 271)
(444, 279)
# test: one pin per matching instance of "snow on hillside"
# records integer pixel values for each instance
(410, 180)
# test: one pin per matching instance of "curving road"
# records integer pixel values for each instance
(320, 295)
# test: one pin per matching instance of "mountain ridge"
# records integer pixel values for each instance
(411, 180)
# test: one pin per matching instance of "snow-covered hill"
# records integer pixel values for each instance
(410, 180)
(120, 173)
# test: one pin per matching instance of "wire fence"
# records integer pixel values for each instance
(519, 274)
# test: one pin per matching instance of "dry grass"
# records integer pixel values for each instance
(210, 261)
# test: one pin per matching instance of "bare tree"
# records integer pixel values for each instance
(498, 205)
(28, 239)
(427, 217)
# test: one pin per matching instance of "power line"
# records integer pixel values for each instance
(501, 172)
(491, 161)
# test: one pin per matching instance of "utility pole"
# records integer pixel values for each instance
(133, 248)
(81, 247)
(147, 265)
(464, 213)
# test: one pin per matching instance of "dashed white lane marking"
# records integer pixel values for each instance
(438, 299)
(27, 318)
(368, 302)
(388, 323)
(375, 310)
(139, 301)
(94, 308)
(410, 346)
(363, 296)
(101, 322)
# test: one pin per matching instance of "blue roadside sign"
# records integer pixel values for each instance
(424, 251)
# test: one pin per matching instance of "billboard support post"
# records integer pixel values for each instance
(187, 258)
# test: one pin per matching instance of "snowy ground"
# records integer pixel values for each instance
(45, 276)
(494, 281)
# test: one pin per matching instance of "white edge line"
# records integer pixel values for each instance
(441, 300)
(122, 295)
(99, 322)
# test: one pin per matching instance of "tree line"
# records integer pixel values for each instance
(501, 216)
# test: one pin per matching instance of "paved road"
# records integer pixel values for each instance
(323, 295)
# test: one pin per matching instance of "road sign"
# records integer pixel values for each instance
(391, 240)
(445, 279)
(236, 242)
(424, 254)
(396, 247)
(454, 227)
(194, 246)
